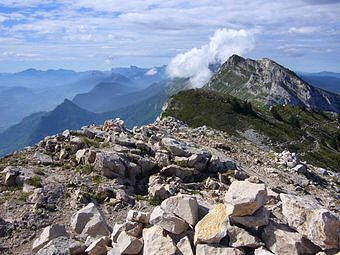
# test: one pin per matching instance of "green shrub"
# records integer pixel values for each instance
(155, 200)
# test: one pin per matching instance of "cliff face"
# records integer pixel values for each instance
(268, 83)
(98, 189)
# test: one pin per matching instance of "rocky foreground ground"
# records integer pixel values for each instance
(164, 188)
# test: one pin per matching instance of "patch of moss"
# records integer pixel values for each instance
(155, 200)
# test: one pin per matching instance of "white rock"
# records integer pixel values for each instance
(138, 216)
(183, 206)
(127, 244)
(110, 164)
(244, 198)
(262, 251)
(259, 218)
(281, 240)
(98, 247)
(90, 221)
(49, 233)
(131, 228)
(213, 227)
(199, 160)
(177, 148)
(168, 221)
(238, 237)
(306, 216)
(157, 243)
(184, 246)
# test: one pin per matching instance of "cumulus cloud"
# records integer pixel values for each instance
(194, 64)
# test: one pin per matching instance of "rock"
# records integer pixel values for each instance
(300, 169)
(307, 217)
(80, 156)
(57, 246)
(157, 243)
(181, 172)
(129, 244)
(131, 228)
(199, 160)
(43, 159)
(49, 233)
(137, 216)
(116, 125)
(62, 246)
(177, 148)
(184, 246)
(220, 163)
(262, 251)
(208, 249)
(162, 158)
(259, 218)
(168, 221)
(157, 188)
(213, 227)
(238, 237)
(90, 221)
(110, 164)
(183, 206)
(98, 247)
(13, 176)
(244, 198)
(280, 239)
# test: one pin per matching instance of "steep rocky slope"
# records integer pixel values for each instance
(265, 82)
(164, 188)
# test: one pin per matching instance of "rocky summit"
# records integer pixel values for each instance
(265, 82)
(164, 188)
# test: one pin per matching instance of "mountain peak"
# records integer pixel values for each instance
(265, 82)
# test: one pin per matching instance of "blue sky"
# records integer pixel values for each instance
(85, 34)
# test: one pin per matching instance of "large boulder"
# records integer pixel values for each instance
(49, 233)
(129, 227)
(183, 206)
(208, 249)
(111, 164)
(168, 221)
(43, 159)
(156, 242)
(213, 227)
(244, 198)
(89, 221)
(280, 239)
(177, 148)
(307, 217)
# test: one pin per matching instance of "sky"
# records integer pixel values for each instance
(303, 35)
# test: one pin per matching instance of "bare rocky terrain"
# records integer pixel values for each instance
(164, 188)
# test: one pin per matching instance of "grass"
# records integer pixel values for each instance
(38, 171)
(97, 180)
(35, 181)
(155, 200)
(90, 142)
(85, 169)
(138, 197)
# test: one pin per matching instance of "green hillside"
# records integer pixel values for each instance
(313, 134)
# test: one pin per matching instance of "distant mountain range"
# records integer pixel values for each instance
(137, 96)
(324, 80)
(30, 91)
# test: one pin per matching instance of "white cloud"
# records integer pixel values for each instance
(10, 54)
(195, 62)
(303, 30)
